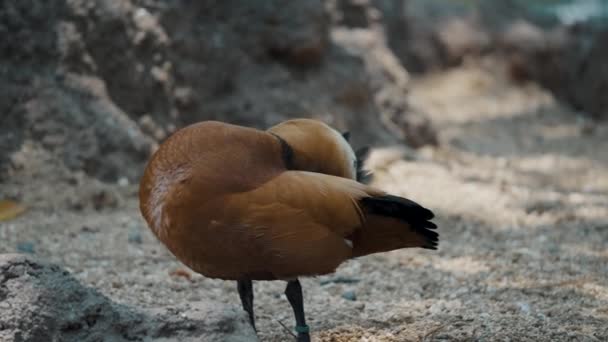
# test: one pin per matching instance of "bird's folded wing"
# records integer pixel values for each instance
(297, 222)
(326, 200)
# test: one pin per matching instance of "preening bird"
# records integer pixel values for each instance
(242, 204)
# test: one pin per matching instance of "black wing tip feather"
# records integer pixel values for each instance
(409, 211)
(400, 207)
(413, 213)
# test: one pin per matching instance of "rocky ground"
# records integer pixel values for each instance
(519, 185)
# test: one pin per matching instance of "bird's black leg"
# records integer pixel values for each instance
(246, 293)
(293, 291)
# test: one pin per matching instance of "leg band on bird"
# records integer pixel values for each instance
(302, 329)
(293, 291)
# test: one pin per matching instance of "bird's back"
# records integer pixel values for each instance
(199, 165)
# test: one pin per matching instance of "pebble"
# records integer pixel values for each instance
(87, 229)
(123, 181)
(349, 295)
(135, 237)
(26, 247)
(524, 307)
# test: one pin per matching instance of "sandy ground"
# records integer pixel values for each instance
(520, 188)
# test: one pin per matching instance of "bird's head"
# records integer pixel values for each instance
(319, 148)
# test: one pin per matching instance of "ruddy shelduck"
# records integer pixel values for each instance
(242, 204)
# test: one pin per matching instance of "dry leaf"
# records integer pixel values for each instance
(10, 209)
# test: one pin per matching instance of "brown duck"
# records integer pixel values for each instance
(242, 204)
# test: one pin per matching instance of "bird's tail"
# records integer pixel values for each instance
(392, 223)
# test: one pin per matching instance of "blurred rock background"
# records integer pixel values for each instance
(113, 78)
(88, 88)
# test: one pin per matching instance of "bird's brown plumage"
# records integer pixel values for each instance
(377, 233)
(317, 147)
(223, 200)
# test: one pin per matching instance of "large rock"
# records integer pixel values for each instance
(561, 47)
(40, 302)
(573, 66)
(52, 92)
(593, 75)
(361, 29)
(99, 82)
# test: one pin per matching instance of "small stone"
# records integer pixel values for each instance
(26, 247)
(349, 295)
(88, 229)
(307, 54)
(135, 237)
(104, 199)
(184, 96)
(159, 74)
(524, 307)
(123, 181)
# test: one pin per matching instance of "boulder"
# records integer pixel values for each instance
(43, 302)
(99, 83)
